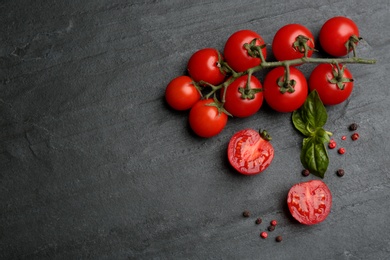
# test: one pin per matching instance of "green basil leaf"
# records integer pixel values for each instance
(314, 156)
(313, 111)
(299, 123)
(321, 135)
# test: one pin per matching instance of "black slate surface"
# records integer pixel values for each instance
(95, 165)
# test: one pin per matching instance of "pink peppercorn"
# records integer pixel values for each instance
(341, 151)
(355, 136)
(343, 137)
(274, 223)
(332, 144)
(264, 234)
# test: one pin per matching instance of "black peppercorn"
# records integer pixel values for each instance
(246, 214)
(279, 239)
(271, 228)
(353, 127)
(305, 172)
(340, 172)
(258, 221)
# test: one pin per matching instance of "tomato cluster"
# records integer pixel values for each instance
(221, 84)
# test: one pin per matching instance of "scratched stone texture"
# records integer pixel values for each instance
(95, 165)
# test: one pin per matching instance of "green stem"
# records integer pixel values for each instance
(272, 64)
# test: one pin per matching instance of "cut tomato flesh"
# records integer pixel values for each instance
(249, 153)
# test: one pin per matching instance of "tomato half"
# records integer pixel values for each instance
(335, 33)
(241, 102)
(181, 94)
(237, 56)
(309, 202)
(285, 102)
(284, 39)
(205, 119)
(330, 93)
(250, 152)
(204, 65)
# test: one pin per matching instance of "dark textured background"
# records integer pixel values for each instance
(94, 165)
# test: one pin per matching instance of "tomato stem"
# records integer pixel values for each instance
(288, 84)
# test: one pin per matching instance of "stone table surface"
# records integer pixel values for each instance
(95, 165)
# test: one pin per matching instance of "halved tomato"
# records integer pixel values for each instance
(250, 152)
(309, 202)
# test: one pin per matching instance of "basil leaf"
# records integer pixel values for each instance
(299, 123)
(314, 155)
(321, 135)
(313, 111)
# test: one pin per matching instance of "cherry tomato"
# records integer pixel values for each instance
(204, 65)
(309, 202)
(283, 43)
(250, 152)
(285, 102)
(206, 120)
(181, 93)
(237, 56)
(330, 93)
(241, 102)
(335, 33)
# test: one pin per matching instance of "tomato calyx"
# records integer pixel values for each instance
(265, 135)
(301, 45)
(338, 76)
(351, 44)
(254, 50)
(285, 83)
(219, 106)
(248, 92)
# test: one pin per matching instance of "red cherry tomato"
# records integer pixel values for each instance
(330, 93)
(204, 65)
(249, 152)
(284, 39)
(241, 102)
(285, 102)
(309, 202)
(205, 119)
(237, 56)
(335, 33)
(181, 94)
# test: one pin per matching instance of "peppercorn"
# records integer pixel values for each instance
(332, 144)
(340, 172)
(355, 136)
(353, 127)
(246, 213)
(343, 137)
(279, 239)
(258, 221)
(271, 228)
(305, 172)
(264, 234)
(341, 151)
(274, 223)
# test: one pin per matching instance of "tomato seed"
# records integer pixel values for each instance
(264, 234)
(340, 172)
(274, 223)
(355, 136)
(279, 239)
(246, 214)
(258, 221)
(353, 127)
(341, 151)
(305, 172)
